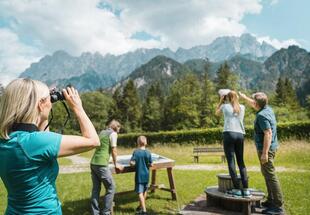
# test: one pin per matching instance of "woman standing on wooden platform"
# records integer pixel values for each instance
(233, 135)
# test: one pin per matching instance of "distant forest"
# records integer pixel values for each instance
(189, 104)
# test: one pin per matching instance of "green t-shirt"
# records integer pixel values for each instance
(28, 169)
(102, 153)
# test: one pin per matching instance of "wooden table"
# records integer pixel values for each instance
(159, 162)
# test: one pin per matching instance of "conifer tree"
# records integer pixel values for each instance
(208, 100)
(117, 107)
(280, 92)
(131, 108)
(152, 109)
(226, 78)
(290, 94)
(182, 106)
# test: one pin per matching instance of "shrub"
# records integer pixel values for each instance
(212, 135)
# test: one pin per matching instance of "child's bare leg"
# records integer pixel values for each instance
(142, 201)
(145, 194)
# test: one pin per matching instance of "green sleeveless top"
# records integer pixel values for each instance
(102, 153)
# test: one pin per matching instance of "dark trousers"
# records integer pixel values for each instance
(275, 196)
(233, 145)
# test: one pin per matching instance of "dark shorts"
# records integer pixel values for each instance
(141, 188)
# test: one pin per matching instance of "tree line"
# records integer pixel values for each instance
(189, 104)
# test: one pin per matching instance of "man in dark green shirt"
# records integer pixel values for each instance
(266, 141)
(100, 171)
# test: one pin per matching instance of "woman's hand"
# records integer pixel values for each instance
(73, 99)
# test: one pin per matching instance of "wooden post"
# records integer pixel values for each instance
(153, 184)
(171, 182)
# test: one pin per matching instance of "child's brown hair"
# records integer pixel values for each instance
(142, 141)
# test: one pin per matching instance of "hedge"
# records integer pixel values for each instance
(299, 130)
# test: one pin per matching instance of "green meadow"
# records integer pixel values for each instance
(293, 159)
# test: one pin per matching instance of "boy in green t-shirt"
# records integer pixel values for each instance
(142, 160)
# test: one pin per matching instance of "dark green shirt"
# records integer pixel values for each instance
(102, 153)
(143, 159)
(265, 119)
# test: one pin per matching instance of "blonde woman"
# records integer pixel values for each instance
(233, 136)
(28, 166)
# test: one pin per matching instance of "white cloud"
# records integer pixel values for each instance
(273, 2)
(278, 44)
(186, 23)
(77, 26)
(14, 56)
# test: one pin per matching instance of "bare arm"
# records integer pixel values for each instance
(267, 143)
(248, 100)
(76, 144)
(117, 166)
(218, 108)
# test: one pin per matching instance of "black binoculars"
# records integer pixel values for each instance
(56, 95)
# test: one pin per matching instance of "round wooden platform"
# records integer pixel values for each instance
(242, 204)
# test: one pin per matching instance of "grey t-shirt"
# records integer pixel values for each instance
(232, 121)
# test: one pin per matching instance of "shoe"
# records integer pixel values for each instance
(266, 204)
(138, 208)
(246, 193)
(273, 211)
(236, 192)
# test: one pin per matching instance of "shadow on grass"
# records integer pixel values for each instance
(82, 207)
(121, 200)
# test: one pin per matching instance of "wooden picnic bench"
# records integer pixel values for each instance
(198, 151)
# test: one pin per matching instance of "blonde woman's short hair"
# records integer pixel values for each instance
(19, 103)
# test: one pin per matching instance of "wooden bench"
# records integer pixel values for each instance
(198, 151)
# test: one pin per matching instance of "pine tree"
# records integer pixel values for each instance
(208, 100)
(152, 109)
(226, 79)
(182, 106)
(290, 97)
(131, 109)
(280, 92)
(117, 107)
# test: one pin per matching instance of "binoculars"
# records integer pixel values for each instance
(56, 95)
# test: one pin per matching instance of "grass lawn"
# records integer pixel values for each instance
(291, 154)
(74, 189)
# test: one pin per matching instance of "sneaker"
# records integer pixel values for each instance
(236, 192)
(266, 204)
(273, 211)
(138, 208)
(246, 193)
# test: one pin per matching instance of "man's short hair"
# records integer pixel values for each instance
(261, 99)
(114, 124)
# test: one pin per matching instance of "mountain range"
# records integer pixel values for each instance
(292, 63)
(258, 65)
(62, 68)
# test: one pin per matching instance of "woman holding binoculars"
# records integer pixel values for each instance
(28, 166)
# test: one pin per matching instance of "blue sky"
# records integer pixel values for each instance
(283, 20)
(32, 29)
